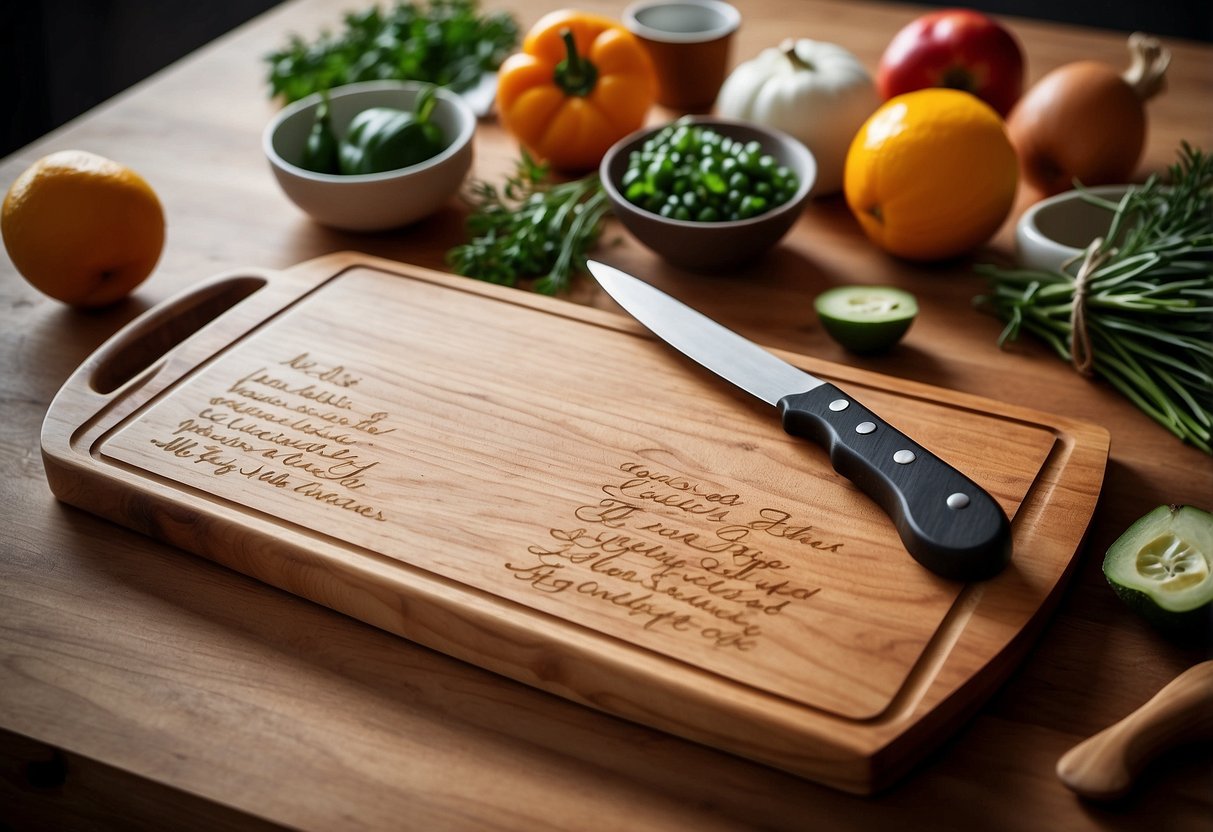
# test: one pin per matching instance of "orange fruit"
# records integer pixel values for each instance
(931, 174)
(81, 228)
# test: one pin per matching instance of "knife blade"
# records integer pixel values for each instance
(947, 522)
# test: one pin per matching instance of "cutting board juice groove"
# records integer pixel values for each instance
(543, 490)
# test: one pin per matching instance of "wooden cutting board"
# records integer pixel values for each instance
(547, 491)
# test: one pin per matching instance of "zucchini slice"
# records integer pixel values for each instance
(866, 319)
(1162, 566)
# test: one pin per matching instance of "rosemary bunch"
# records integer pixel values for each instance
(531, 228)
(1143, 307)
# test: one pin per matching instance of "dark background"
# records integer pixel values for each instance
(69, 55)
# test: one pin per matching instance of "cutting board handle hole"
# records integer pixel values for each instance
(149, 338)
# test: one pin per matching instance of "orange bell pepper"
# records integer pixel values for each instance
(580, 83)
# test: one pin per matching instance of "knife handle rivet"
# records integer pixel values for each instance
(958, 500)
(903, 457)
(839, 404)
(864, 428)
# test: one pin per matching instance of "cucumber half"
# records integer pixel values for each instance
(866, 319)
(1162, 566)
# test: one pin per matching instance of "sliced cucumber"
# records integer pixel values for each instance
(866, 319)
(1162, 566)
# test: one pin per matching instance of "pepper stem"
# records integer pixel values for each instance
(322, 112)
(575, 75)
(425, 103)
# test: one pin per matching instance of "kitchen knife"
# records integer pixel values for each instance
(947, 522)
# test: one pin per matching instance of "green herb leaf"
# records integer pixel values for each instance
(449, 43)
(531, 228)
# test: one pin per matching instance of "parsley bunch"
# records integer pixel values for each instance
(450, 43)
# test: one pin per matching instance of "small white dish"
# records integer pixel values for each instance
(371, 201)
(1053, 233)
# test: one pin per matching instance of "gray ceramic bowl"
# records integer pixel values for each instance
(1056, 231)
(372, 201)
(711, 246)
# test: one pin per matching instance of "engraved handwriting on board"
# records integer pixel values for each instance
(295, 426)
(665, 552)
(674, 554)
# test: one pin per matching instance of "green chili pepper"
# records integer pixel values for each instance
(384, 138)
(320, 152)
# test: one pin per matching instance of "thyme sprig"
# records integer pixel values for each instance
(531, 227)
(1148, 306)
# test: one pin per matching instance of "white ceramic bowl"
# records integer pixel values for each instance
(371, 201)
(1056, 231)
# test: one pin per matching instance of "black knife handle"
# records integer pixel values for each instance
(946, 521)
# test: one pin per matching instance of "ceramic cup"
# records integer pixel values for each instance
(689, 42)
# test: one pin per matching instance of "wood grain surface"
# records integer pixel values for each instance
(162, 687)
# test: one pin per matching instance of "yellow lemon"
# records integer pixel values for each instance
(931, 174)
(82, 228)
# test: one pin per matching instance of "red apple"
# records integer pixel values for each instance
(957, 48)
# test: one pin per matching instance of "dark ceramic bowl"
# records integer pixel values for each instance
(711, 246)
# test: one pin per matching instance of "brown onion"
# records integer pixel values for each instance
(1087, 122)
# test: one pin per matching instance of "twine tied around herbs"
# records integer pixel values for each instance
(1081, 355)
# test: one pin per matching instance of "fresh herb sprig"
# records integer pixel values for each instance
(1148, 304)
(449, 43)
(531, 227)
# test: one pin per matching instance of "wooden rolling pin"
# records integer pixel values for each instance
(1104, 766)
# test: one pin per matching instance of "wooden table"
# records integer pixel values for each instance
(141, 687)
